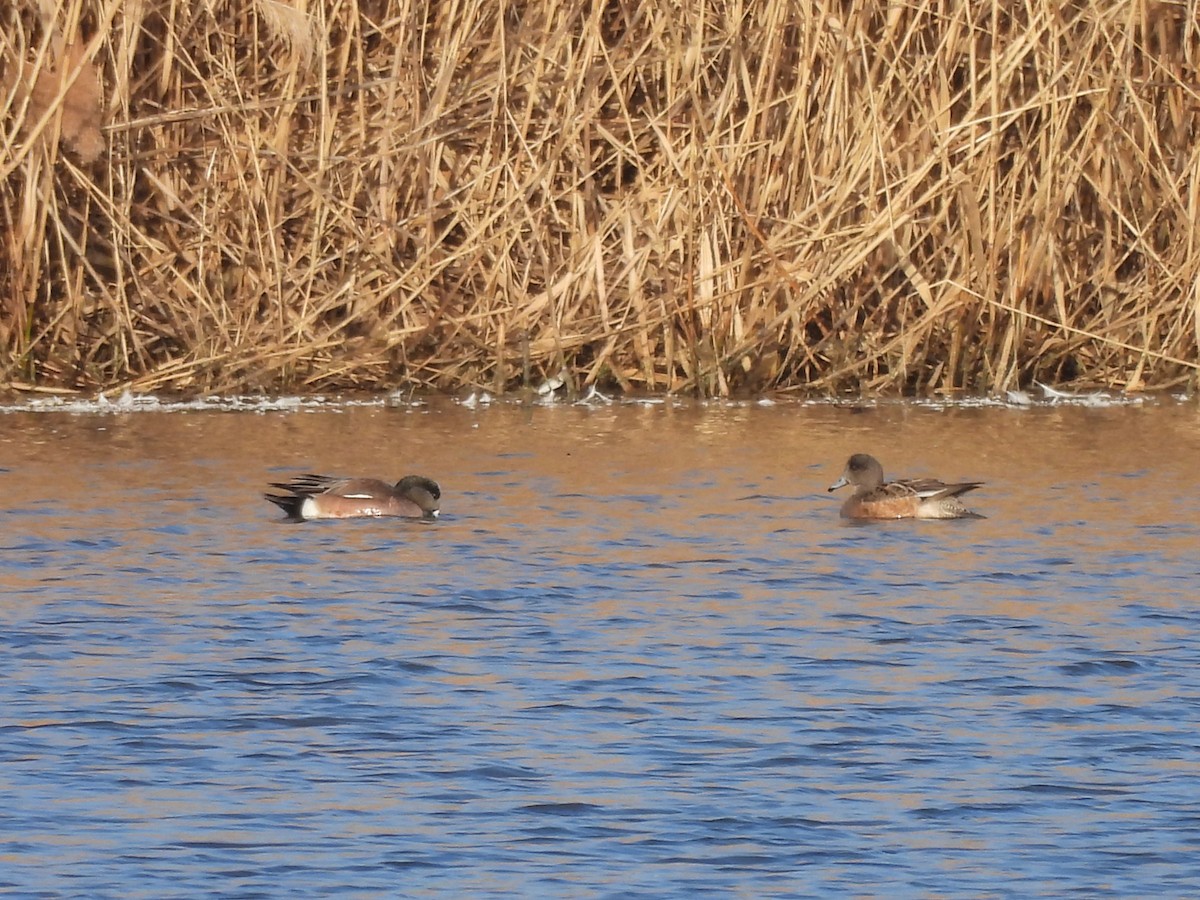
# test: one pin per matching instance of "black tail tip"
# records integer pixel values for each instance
(289, 504)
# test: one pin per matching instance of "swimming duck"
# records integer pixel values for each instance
(328, 497)
(923, 498)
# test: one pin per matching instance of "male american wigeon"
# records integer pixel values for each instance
(921, 498)
(326, 497)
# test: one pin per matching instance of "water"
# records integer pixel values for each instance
(640, 655)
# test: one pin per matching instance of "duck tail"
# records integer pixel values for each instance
(290, 503)
(954, 490)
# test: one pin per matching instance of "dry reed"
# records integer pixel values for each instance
(712, 196)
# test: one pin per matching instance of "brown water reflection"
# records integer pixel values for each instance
(1083, 486)
(1068, 487)
(1032, 459)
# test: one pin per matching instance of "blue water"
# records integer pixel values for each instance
(639, 656)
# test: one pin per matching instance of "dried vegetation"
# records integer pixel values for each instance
(713, 196)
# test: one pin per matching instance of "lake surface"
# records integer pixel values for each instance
(639, 655)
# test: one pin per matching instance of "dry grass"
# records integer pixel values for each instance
(712, 196)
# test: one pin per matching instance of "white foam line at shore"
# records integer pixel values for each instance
(129, 402)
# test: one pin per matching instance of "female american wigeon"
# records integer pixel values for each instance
(922, 498)
(326, 497)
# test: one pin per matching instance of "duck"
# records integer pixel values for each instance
(922, 498)
(330, 497)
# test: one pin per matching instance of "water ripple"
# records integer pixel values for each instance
(594, 682)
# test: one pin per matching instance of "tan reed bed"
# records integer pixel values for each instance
(705, 197)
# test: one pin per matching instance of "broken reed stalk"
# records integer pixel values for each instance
(721, 197)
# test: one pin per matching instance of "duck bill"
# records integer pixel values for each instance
(841, 482)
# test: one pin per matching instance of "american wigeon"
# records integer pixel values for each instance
(326, 497)
(922, 498)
